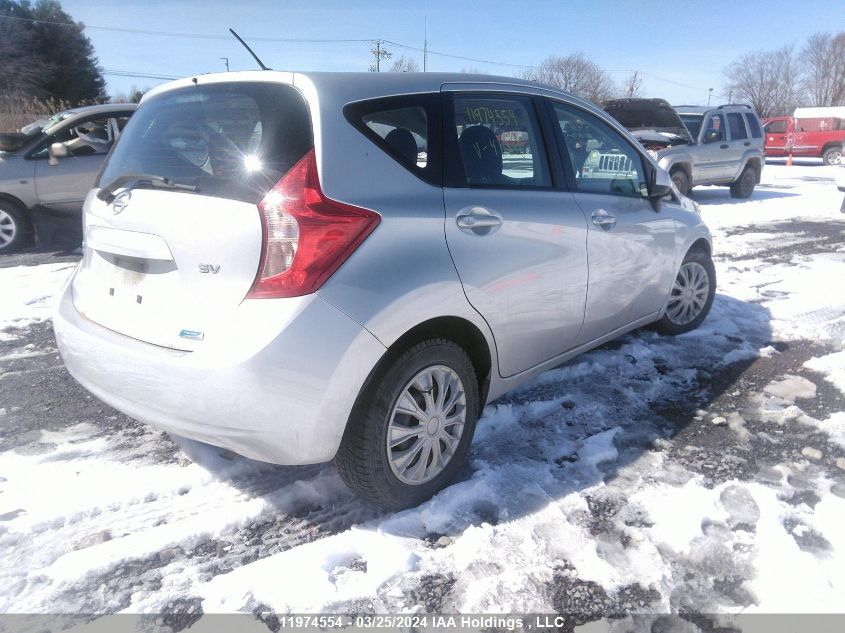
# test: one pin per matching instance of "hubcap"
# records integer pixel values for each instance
(426, 425)
(689, 294)
(8, 229)
(834, 158)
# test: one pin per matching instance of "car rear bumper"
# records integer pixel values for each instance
(279, 388)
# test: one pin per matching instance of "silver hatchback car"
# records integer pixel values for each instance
(300, 267)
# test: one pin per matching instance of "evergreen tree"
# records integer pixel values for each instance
(46, 54)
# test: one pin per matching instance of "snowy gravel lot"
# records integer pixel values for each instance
(704, 473)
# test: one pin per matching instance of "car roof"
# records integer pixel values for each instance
(75, 114)
(352, 86)
(684, 109)
(687, 109)
(103, 108)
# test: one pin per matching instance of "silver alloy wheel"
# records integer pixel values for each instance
(689, 294)
(834, 157)
(8, 228)
(426, 425)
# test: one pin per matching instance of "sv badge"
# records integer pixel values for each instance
(209, 268)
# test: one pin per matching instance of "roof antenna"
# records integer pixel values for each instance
(246, 46)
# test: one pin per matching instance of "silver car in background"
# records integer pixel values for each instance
(47, 169)
(300, 267)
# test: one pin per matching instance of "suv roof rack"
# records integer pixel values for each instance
(733, 105)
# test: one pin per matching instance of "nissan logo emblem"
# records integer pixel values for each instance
(120, 202)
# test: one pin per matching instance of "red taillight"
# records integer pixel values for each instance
(306, 236)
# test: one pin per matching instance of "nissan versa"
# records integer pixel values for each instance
(300, 267)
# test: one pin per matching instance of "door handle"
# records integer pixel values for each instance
(478, 219)
(725, 146)
(603, 218)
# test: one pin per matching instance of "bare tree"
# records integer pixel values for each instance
(632, 86)
(768, 80)
(474, 70)
(576, 74)
(405, 65)
(823, 63)
(133, 96)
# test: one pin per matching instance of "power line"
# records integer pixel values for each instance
(132, 73)
(468, 59)
(201, 36)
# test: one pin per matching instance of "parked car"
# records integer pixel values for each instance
(811, 133)
(722, 145)
(47, 169)
(271, 267)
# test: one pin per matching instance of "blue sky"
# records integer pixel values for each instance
(682, 47)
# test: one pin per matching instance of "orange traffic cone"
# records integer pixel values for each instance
(789, 160)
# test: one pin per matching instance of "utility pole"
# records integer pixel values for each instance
(425, 39)
(709, 94)
(226, 61)
(379, 53)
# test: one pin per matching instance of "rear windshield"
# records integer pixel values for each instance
(229, 140)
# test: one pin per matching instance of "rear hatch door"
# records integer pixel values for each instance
(170, 256)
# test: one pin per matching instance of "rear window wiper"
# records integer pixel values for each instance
(106, 193)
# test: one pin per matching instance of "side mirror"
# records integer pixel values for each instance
(712, 136)
(57, 151)
(659, 186)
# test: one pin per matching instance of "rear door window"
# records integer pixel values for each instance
(737, 126)
(405, 127)
(496, 142)
(753, 125)
(233, 140)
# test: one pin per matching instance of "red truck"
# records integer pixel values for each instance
(811, 132)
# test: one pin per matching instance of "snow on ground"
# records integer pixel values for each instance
(655, 474)
(27, 293)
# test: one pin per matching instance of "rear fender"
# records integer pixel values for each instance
(753, 158)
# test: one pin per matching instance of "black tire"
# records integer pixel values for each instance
(832, 156)
(14, 224)
(743, 186)
(362, 459)
(681, 180)
(665, 325)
